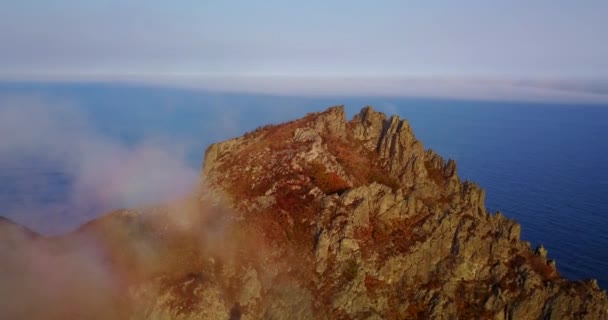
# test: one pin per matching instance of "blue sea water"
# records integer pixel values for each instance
(545, 165)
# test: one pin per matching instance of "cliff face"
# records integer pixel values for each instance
(323, 218)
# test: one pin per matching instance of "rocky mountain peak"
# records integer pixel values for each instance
(370, 148)
(324, 218)
(388, 228)
(332, 121)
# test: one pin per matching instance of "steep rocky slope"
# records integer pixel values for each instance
(383, 228)
(324, 218)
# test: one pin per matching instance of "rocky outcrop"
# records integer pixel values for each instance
(399, 235)
(324, 218)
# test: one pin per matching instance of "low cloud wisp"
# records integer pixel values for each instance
(48, 145)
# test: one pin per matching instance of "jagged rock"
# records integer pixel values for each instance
(431, 237)
(332, 122)
(541, 251)
(368, 126)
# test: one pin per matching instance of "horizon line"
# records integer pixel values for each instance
(573, 90)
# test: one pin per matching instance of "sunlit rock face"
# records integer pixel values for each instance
(324, 218)
(382, 227)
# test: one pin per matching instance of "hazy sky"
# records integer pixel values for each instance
(554, 44)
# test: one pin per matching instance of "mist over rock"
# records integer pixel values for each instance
(324, 218)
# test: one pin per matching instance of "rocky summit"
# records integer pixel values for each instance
(317, 218)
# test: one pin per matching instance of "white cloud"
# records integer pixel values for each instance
(103, 172)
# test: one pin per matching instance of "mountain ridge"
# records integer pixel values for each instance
(324, 218)
(423, 178)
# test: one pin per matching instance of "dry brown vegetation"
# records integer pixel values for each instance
(362, 164)
(540, 265)
(328, 182)
(373, 285)
(435, 174)
(469, 299)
